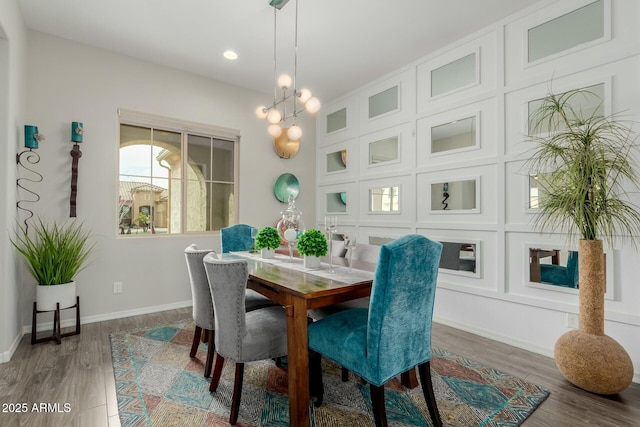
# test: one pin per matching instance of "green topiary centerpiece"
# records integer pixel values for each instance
(268, 238)
(312, 243)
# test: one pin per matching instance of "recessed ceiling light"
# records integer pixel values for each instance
(230, 55)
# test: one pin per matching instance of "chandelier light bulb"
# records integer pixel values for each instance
(312, 105)
(294, 133)
(261, 112)
(284, 81)
(288, 100)
(305, 94)
(274, 116)
(274, 130)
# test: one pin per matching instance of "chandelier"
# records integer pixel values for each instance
(285, 109)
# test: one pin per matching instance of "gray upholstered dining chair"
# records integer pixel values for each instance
(393, 335)
(235, 238)
(365, 252)
(203, 304)
(241, 336)
(201, 301)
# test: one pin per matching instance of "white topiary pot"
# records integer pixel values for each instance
(48, 296)
(267, 253)
(311, 261)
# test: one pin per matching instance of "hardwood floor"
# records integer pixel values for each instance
(79, 373)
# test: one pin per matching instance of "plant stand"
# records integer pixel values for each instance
(56, 334)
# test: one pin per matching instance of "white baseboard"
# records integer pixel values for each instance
(108, 316)
(7, 355)
(507, 340)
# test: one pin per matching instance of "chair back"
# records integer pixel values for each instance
(235, 238)
(401, 305)
(337, 248)
(366, 253)
(228, 283)
(200, 293)
(560, 275)
(450, 258)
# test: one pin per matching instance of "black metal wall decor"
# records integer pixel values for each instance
(31, 157)
(445, 195)
(76, 137)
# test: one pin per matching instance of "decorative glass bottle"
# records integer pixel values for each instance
(291, 225)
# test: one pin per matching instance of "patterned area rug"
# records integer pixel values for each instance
(159, 385)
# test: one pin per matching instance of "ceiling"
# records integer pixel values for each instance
(342, 44)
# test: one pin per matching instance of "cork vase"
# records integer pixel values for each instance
(586, 356)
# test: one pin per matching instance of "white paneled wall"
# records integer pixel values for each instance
(493, 90)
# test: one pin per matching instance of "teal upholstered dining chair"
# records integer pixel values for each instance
(203, 316)
(560, 275)
(241, 336)
(394, 334)
(235, 238)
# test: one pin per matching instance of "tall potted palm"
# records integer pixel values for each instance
(586, 161)
(54, 254)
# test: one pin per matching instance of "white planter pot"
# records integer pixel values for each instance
(267, 253)
(311, 261)
(48, 296)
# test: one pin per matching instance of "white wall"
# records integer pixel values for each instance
(499, 302)
(67, 82)
(13, 39)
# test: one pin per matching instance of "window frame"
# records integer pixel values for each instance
(185, 128)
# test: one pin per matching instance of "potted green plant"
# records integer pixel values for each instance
(54, 254)
(312, 244)
(267, 240)
(143, 221)
(586, 161)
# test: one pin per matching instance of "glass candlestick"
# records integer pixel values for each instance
(254, 233)
(330, 226)
(350, 243)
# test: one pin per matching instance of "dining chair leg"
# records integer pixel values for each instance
(217, 372)
(377, 404)
(409, 379)
(316, 388)
(210, 352)
(345, 374)
(429, 396)
(196, 341)
(237, 393)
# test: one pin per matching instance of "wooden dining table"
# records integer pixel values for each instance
(298, 291)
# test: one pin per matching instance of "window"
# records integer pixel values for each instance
(175, 177)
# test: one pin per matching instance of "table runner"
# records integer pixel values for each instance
(342, 274)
